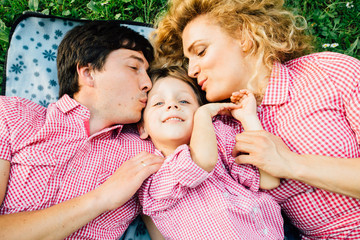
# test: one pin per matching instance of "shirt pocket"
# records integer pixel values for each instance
(30, 175)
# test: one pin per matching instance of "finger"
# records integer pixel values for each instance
(244, 91)
(242, 148)
(246, 142)
(149, 169)
(245, 159)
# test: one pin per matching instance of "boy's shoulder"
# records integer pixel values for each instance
(225, 123)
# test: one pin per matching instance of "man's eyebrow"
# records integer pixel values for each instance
(137, 58)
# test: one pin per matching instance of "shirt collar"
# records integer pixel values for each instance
(66, 104)
(277, 90)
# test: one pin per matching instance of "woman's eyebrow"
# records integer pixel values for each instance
(191, 47)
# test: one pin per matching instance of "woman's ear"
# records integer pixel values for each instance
(245, 41)
(246, 45)
(85, 74)
(142, 131)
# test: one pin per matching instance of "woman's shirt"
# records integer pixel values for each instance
(313, 104)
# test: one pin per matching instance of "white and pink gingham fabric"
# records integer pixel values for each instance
(53, 159)
(313, 104)
(186, 202)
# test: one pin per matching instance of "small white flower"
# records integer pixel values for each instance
(349, 5)
(326, 45)
(334, 45)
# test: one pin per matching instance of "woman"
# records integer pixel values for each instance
(309, 105)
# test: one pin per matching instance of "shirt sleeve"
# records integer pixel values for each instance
(178, 174)
(352, 106)
(5, 146)
(345, 74)
(244, 174)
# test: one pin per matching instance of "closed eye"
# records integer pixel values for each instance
(184, 102)
(133, 67)
(201, 53)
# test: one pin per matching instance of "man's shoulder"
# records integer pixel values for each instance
(20, 106)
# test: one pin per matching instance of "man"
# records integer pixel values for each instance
(71, 170)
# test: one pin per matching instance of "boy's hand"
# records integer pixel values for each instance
(247, 104)
(213, 109)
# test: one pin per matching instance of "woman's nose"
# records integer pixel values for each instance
(194, 69)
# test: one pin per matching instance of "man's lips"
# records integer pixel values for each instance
(143, 100)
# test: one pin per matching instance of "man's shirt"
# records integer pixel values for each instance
(53, 159)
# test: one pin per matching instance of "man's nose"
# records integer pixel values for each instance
(145, 84)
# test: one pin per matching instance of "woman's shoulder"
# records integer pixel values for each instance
(330, 60)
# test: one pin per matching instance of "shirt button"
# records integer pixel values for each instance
(265, 231)
(226, 194)
(73, 170)
(223, 166)
(255, 210)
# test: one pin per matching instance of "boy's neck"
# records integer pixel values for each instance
(166, 149)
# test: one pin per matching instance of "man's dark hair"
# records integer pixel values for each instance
(91, 43)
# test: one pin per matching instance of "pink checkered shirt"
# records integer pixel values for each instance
(53, 159)
(186, 202)
(313, 104)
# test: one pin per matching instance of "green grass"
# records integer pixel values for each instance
(334, 23)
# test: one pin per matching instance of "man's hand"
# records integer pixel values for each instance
(128, 178)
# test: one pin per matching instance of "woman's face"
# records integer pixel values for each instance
(215, 59)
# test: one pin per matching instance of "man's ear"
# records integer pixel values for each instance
(142, 131)
(85, 75)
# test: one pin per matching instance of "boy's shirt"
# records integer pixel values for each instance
(186, 202)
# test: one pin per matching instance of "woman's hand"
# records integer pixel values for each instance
(265, 151)
(269, 153)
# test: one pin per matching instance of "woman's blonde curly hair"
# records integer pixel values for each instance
(276, 33)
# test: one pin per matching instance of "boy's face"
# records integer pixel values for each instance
(168, 116)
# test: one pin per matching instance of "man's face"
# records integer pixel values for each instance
(121, 87)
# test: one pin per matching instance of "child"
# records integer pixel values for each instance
(196, 194)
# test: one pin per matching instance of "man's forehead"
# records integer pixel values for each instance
(132, 54)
